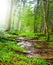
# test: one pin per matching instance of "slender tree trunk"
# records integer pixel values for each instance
(35, 12)
(45, 4)
(9, 24)
(47, 18)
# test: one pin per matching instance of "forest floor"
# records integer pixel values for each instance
(18, 50)
(37, 48)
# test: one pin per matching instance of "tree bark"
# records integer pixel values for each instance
(9, 24)
(45, 5)
(35, 12)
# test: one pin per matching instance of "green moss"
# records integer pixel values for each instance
(38, 46)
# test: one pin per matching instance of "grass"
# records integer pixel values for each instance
(9, 45)
(13, 58)
(38, 61)
(8, 56)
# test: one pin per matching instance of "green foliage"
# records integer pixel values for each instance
(1, 34)
(51, 37)
(14, 32)
(0, 47)
(22, 63)
(42, 38)
(27, 34)
(13, 58)
(27, 20)
(39, 61)
(8, 56)
(8, 45)
(7, 36)
(50, 43)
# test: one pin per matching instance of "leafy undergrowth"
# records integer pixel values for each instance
(9, 45)
(42, 38)
(51, 37)
(27, 34)
(7, 36)
(50, 43)
(15, 59)
(9, 57)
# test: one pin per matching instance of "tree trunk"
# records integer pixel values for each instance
(35, 12)
(9, 24)
(45, 4)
